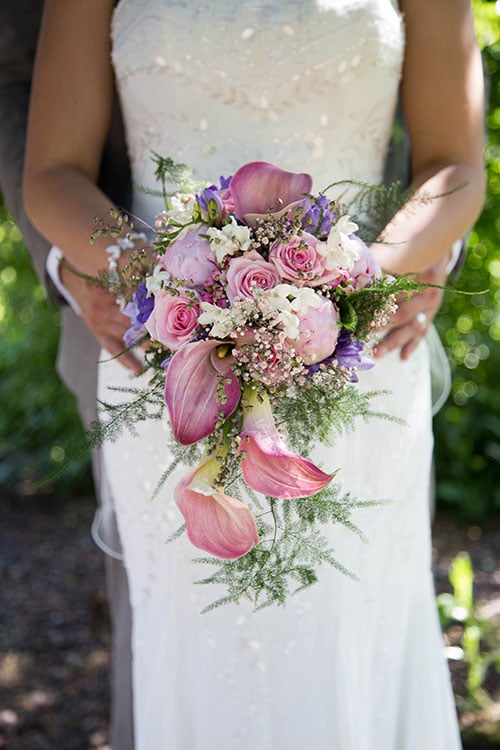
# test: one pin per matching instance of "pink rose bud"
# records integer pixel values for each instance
(250, 272)
(297, 259)
(174, 319)
(190, 257)
(366, 269)
(318, 333)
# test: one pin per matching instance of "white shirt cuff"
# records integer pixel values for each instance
(52, 265)
(456, 249)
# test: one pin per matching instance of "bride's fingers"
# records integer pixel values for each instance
(115, 347)
(409, 325)
(406, 337)
(428, 301)
(409, 348)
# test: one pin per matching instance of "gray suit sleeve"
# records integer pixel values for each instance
(19, 24)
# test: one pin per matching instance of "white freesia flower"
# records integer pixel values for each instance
(221, 319)
(231, 239)
(290, 323)
(182, 207)
(241, 313)
(155, 281)
(275, 299)
(339, 250)
(304, 299)
(286, 290)
(180, 211)
(225, 321)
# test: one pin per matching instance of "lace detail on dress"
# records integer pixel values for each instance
(294, 71)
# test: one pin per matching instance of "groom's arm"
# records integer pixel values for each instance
(19, 23)
(409, 326)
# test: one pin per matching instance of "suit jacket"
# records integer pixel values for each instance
(19, 25)
(78, 350)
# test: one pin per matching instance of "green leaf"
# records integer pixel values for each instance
(462, 579)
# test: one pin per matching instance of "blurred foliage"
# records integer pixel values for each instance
(467, 430)
(39, 426)
(478, 645)
(38, 423)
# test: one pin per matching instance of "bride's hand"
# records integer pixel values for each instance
(101, 315)
(414, 316)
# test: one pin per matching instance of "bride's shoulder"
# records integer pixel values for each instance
(423, 11)
(70, 22)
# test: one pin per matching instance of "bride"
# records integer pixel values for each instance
(309, 85)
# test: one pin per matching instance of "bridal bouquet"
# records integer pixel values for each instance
(257, 316)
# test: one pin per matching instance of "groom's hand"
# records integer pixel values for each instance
(101, 315)
(414, 316)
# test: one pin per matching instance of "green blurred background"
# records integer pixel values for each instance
(39, 428)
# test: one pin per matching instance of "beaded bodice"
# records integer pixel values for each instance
(310, 85)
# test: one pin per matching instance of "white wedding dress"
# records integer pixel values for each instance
(310, 85)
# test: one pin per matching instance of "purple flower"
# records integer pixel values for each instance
(215, 203)
(348, 354)
(134, 334)
(144, 303)
(318, 216)
(210, 204)
(138, 310)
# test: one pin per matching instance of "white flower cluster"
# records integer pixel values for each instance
(272, 303)
(154, 282)
(180, 210)
(225, 320)
(339, 249)
(288, 311)
(229, 240)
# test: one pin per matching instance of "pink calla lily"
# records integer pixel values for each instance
(262, 189)
(191, 389)
(268, 466)
(215, 522)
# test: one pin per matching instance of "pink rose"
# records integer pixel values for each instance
(297, 259)
(227, 201)
(174, 318)
(367, 268)
(249, 272)
(332, 278)
(190, 257)
(318, 333)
